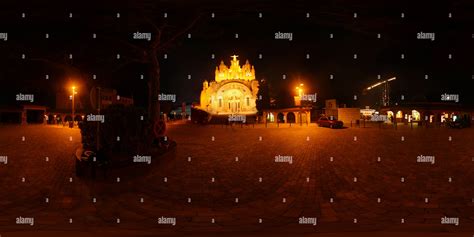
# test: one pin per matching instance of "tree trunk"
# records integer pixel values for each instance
(154, 89)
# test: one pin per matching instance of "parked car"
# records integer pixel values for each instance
(329, 122)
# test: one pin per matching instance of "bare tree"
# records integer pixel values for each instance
(164, 37)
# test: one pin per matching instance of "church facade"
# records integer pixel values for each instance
(233, 91)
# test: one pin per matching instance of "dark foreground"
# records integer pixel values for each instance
(363, 189)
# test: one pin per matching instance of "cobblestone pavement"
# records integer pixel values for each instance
(225, 180)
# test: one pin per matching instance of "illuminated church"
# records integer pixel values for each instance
(234, 90)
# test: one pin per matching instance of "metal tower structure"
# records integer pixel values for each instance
(385, 91)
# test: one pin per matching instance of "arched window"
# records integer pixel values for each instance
(415, 115)
(389, 114)
(270, 117)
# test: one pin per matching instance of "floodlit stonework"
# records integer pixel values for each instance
(234, 90)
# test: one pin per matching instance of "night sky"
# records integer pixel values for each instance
(256, 36)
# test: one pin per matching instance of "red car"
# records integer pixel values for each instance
(329, 122)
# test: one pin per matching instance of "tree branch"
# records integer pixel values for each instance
(173, 38)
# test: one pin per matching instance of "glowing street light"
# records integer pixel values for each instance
(73, 93)
(300, 94)
(300, 90)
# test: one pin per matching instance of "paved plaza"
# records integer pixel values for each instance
(246, 181)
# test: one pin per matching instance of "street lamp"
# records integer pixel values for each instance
(300, 94)
(73, 93)
(300, 90)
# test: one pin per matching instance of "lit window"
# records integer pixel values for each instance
(415, 115)
(271, 117)
(389, 114)
(399, 114)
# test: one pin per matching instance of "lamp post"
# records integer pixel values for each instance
(73, 93)
(300, 90)
(300, 94)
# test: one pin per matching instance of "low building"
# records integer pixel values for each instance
(287, 115)
(23, 114)
(330, 108)
(63, 110)
(346, 115)
(111, 97)
(428, 112)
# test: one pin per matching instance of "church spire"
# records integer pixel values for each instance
(235, 71)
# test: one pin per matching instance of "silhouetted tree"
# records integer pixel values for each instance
(263, 97)
(284, 98)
